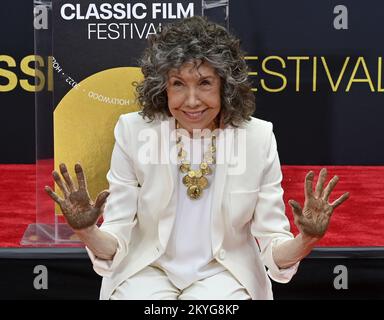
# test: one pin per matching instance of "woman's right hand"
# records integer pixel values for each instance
(77, 207)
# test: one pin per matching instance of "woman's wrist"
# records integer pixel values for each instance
(85, 231)
(308, 241)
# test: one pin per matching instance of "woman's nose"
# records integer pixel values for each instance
(193, 99)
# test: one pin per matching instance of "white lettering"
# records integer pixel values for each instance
(63, 13)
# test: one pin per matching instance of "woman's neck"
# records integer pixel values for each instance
(196, 133)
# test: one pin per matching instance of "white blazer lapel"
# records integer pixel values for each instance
(224, 150)
(168, 150)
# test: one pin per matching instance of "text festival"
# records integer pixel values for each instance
(121, 12)
(273, 74)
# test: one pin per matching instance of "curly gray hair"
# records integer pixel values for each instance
(195, 39)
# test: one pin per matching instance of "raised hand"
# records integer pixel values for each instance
(313, 220)
(77, 207)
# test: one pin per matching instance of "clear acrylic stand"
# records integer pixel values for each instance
(49, 228)
(216, 11)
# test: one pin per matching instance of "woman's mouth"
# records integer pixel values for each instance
(195, 115)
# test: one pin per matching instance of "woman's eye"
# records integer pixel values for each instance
(205, 82)
(177, 83)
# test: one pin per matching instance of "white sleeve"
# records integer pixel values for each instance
(270, 226)
(121, 205)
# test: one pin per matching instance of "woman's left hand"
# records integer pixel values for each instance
(313, 220)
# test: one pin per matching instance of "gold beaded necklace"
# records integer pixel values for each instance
(195, 180)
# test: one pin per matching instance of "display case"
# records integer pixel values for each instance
(89, 83)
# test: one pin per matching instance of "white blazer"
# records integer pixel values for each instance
(247, 204)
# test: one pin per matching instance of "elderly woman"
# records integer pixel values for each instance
(194, 226)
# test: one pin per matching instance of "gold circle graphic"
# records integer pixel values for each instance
(84, 121)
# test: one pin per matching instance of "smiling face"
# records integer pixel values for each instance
(194, 95)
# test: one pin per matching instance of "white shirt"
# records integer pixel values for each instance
(188, 256)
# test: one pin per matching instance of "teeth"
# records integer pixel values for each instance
(194, 114)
